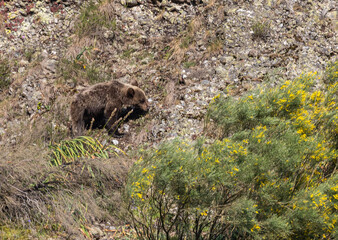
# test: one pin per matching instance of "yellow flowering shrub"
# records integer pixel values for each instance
(191, 192)
(292, 132)
(272, 175)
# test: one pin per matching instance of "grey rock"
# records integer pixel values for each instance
(49, 65)
(96, 232)
(126, 128)
(221, 71)
(233, 74)
(23, 63)
(21, 69)
(129, 3)
(111, 228)
(109, 35)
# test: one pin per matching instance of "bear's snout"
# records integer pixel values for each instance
(145, 106)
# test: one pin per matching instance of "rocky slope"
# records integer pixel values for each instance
(182, 52)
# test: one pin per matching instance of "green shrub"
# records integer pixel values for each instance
(5, 72)
(312, 111)
(331, 74)
(271, 176)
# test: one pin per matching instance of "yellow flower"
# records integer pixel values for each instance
(214, 98)
(204, 213)
(255, 227)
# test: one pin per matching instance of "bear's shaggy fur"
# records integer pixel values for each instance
(99, 101)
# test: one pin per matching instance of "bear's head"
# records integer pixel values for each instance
(136, 98)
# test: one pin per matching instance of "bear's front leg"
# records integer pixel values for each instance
(111, 121)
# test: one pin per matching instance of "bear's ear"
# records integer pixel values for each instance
(130, 93)
(134, 82)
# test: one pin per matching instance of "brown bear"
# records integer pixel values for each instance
(95, 105)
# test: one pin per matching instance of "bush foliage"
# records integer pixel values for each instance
(272, 175)
(331, 74)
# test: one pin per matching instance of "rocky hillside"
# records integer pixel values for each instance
(182, 52)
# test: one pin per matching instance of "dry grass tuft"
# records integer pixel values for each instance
(215, 46)
(211, 4)
(177, 51)
(63, 199)
(106, 8)
(78, 44)
(186, 41)
(2, 24)
(195, 25)
(261, 29)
